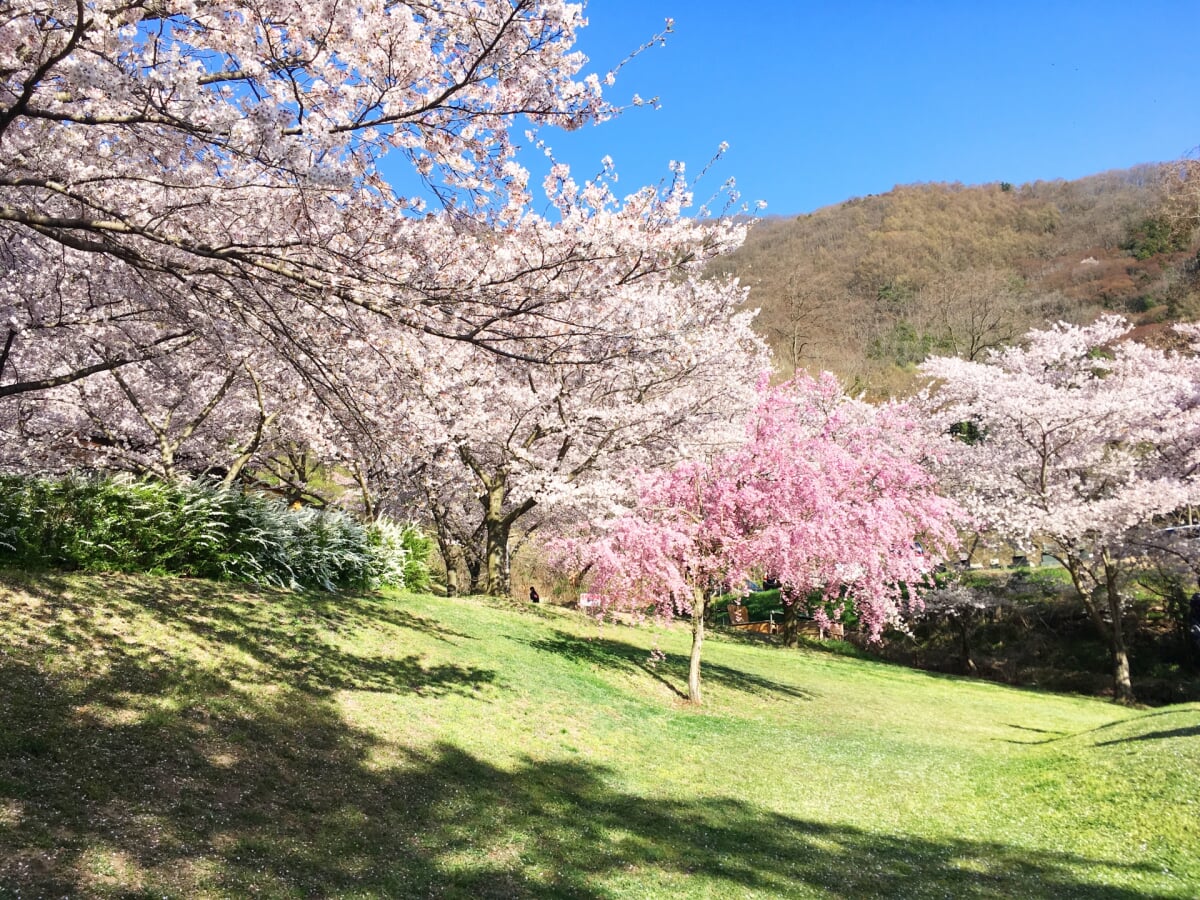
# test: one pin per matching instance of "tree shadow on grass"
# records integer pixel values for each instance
(287, 634)
(1131, 721)
(331, 611)
(1193, 731)
(285, 798)
(670, 670)
(129, 770)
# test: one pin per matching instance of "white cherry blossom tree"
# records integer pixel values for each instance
(1073, 440)
(173, 169)
(500, 439)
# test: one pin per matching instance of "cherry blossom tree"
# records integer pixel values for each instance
(173, 171)
(204, 408)
(1076, 439)
(500, 439)
(240, 139)
(827, 493)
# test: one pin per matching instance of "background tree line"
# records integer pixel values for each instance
(871, 287)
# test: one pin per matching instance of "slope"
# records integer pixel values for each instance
(174, 738)
(871, 286)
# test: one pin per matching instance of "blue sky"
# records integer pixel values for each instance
(820, 102)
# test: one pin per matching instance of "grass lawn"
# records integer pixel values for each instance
(181, 738)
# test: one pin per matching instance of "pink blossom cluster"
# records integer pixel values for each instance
(826, 494)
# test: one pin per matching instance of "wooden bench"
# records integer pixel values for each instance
(809, 628)
(739, 618)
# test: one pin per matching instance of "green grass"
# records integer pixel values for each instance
(164, 737)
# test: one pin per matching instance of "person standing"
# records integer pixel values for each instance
(1194, 621)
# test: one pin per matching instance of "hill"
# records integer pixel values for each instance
(182, 738)
(871, 286)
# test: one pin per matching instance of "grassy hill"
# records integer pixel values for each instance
(869, 287)
(173, 738)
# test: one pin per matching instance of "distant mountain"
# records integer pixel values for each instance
(870, 287)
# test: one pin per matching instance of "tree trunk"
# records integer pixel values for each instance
(452, 556)
(496, 531)
(1122, 681)
(498, 582)
(452, 552)
(790, 631)
(699, 607)
(476, 572)
(497, 528)
(1111, 633)
(964, 634)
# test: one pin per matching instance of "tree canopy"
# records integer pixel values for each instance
(826, 494)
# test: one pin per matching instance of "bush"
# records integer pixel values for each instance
(200, 529)
(91, 524)
(1155, 235)
(401, 553)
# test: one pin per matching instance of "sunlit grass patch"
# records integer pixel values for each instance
(188, 739)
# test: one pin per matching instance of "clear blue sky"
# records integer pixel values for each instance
(820, 102)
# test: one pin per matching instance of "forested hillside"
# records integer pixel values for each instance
(872, 286)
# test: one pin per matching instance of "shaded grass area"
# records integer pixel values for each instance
(1038, 633)
(670, 670)
(160, 737)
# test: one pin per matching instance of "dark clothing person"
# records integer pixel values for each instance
(1194, 621)
(534, 597)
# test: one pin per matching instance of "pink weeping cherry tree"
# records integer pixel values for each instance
(827, 493)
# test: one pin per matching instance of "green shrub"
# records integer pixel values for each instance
(199, 529)
(91, 524)
(402, 554)
(1155, 235)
